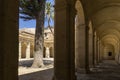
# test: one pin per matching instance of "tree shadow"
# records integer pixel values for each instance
(39, 75)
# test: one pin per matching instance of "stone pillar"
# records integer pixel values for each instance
(91, 50)
(117, 54)
(28, 51)
(64, 66)
(47, 52)
(101, 51)
(81, 48)
(20, 50)
(9, 39)
(98, 55)
(96, 51)
(81, 41)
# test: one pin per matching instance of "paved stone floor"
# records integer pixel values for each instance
(107, 70)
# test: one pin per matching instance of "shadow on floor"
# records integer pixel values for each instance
(108, 70)
(39, 75)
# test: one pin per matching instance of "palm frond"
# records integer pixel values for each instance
(25, 18)
(29, 8)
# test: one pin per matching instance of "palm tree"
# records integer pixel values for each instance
(35, 9)
(49, 14)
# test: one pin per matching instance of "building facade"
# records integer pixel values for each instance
(26, 43)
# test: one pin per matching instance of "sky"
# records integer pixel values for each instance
(31, 23)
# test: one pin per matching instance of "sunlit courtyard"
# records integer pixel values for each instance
(25, 71)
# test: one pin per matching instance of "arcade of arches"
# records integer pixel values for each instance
(86, 32)
(26, 43)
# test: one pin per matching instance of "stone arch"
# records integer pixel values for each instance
(80, 18)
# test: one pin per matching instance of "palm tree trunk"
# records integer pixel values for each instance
(50, 27)
(39, 38)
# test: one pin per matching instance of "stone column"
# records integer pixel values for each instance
(47, 52)
(81, 48)
(98, 51)
(20, 50)
(91, 50)
(9, 39)
(101, 52)
(64, 66)
(117, 56)
(95, 50)
(81, 41)
(28, 51)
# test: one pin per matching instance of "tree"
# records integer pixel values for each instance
(35, 9)
(49, 14)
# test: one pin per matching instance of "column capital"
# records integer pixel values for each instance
(47, 48)
(28, 44)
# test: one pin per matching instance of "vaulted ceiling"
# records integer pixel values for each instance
(105, 18)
